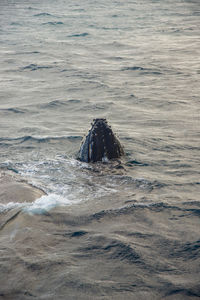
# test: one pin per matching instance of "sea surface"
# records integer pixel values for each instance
(135, 63)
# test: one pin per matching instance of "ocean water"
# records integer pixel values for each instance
(135, 63)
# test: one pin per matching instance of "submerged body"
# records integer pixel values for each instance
(14, 189)
(100, 144)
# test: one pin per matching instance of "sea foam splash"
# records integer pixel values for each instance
(67, 181)
(40, 206)
(9, 206)
(45, 203)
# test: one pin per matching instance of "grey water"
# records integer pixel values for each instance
(137, 64)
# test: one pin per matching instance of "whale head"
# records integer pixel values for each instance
(100, 144)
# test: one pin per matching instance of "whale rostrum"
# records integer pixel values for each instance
(100, 144)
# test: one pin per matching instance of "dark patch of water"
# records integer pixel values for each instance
(53, 23)
(43, 15)
(84, 34)
(35, 67)
(14, 110)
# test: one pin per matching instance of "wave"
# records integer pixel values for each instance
(111, 248)
(40, 206)
(53, 23)
(130, 209)
(189, 250)
(11, 205)
(132, 163)
(46, 203)
(32, 8)
(13, 110)
(110, 28)
(142, 70)
(16, 24)
(34, 67)
(137, 183)
(23, 139)
(79, 34)
(53, 104)
(155, 71)
(97, 106)
(43, 15)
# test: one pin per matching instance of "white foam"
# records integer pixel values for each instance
(9, 206)
(39, 206)
(46, 203)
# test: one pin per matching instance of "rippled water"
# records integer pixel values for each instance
(136, 63)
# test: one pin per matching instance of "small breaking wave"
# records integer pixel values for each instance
(40, 206)
(46, 203)
(11, 205)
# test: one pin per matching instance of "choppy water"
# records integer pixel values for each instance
(137, 63)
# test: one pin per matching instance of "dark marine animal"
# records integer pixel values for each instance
(100, 144)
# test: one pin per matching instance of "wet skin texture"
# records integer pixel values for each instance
(100, 144)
